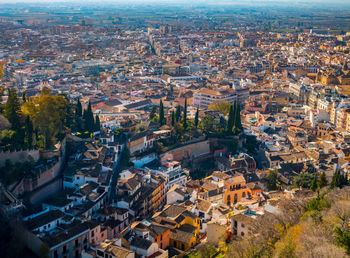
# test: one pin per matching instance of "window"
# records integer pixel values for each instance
(55, 254)
(64, 248)
(242, 233)
(243, 195)
(92, 233)
(242, 225)
(99, 253)
(76, 242)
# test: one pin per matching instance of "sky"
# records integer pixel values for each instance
(185, 2)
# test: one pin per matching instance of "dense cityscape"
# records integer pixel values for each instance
(174, 129)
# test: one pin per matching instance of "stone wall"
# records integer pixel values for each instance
(18, 156)
(188, 151)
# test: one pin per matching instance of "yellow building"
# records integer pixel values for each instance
(184, 225)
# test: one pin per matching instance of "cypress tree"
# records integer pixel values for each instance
(161, 113)
(178, 114)
(97, 123)
(336, 179)
(78, 116)
(313, 185)
(29, 132)
(322, 181)
(12, 109)
(24, 98)
(230, 120)
(153, 112)
(185, 115)
(88, 119)
(172, 118)
(196, 118)
(238, 117)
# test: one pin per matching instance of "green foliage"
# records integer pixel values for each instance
(207, 124)
(153, 112)
(48, 114)
(12, 172)
(161, 119)
(89, 119)
(343, 238)
(125, 159)
(178, 114)
(196, 118)
(338, 180)
(28, 132)
(314, 185)
(185, 115)
(12, 110)
(78, 116)
(230, 120)
(271, 180)
(303, 180)
(172, 118)
(322, 181)
(318, 203)
(97, 123)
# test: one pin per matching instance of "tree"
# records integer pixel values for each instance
(172, 118)
(178, 114)
(338, 180)
(152, 114)
(237, 125)
(1, 71)
(97, 123)
(303, 180)
(322, 181)
(88, 119)
(207, 124)
(230, 120)
(78, 116)
(222, 106)
(314, 185)
(12, 109)
(196, 118)
(28, 132)
(24, 97)
(2, 91)
(185, 115)
(48, 115)
(271, 180)
(161, 113)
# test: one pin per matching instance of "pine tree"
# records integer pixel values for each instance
(178, 114)
(230, 120)
(161, 113)
(172, 118)
(185, 115)
(97, 123)
(196, 118)
(12, 109)
(322, 181)
(313, 185)
(29, 132)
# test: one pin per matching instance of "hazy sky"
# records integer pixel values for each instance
(185, 2)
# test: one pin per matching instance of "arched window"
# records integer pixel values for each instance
(229, 200)
(236, 198)
(243, 194)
